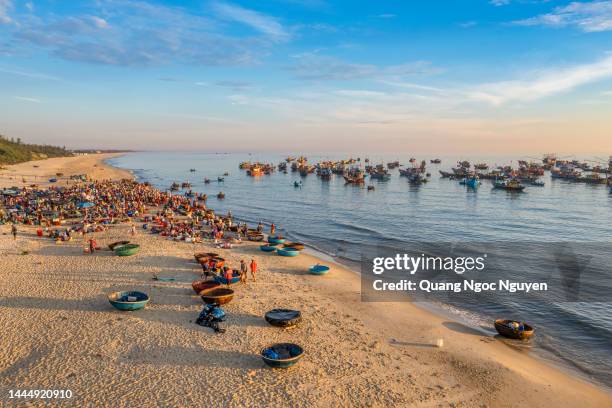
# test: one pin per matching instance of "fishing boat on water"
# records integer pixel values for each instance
(481, 166)
(185, 184)
(206, 180)
(393, 164)
(380, 173)
(435, 161)
(244, 165)
(174, 187)
(472, 181)
(325, 173)
(354, 176)
(512, 185)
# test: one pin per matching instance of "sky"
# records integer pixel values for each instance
(451, 77)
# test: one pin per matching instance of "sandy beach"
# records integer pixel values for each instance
(40, 171)
(60, 332)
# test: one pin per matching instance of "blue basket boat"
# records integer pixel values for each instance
(223, 281)
(128, 300)
(267, 248)
(318, 269)
(287, 252)
(275, 240)
(282, 355)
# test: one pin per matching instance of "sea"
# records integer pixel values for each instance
(339, 221)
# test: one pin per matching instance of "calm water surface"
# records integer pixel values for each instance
(339, 220)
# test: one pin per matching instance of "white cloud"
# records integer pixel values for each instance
(588, 16)
(545, 83)
(28, 99)
(5, 6)
(258, 21)
(498, 3)
(386, 15)
(99, 22)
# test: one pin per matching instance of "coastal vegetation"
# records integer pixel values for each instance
(13, 151)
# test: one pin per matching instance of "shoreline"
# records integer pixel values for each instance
(444, 311)
(390, 344)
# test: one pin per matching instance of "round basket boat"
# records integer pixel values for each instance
(116, 244)
(287, 252)
(223, 281)
(255, 237)
(217, 296)
(318, 269)
(202, 284)
(283, 317)
(204, 256)
(267, 248)
(297, 245)
(127, 250)
(132, 300)
(275, 240)
(503, 327)
(282, 355)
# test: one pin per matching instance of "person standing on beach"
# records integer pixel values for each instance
(272, 229)
(243, 271)
(92, 246)
(253, 269)
(14, 231)
(133, 230)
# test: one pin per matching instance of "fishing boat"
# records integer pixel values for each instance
(217, 296)
(354, 176)
(129, 300)
(297, 184)
(127, 249)
(371, 188)
(192, 170)
(116, 244)
(283, 317)
(244, 165)
(287, 252)
(472, 182)
(435, 161)
(223, 280)
(267, 248)
(220, 179)
(513, 329)
(481, 166)
(221, 195)
(393, 164)
(276, 240)
(202, 284)
(325, 173)
(295, 245)
(509, 185)
(186, 184)
(206, 181)
(282, 355)
(380, 173)
(537, 183)
(318, 269)
(255, 171)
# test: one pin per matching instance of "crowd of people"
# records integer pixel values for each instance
(90, 207)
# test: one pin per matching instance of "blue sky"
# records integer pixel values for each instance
(309, 75)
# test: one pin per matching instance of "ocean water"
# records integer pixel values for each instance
(339, 220)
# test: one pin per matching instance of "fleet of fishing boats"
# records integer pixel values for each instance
(506, 177)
